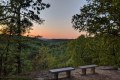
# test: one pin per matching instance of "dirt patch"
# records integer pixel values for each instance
(76, 75)
(108, 68)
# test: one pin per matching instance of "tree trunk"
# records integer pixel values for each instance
(1, 63)
(19, 66)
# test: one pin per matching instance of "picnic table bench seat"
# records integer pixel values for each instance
(92, 67)
(57, 71)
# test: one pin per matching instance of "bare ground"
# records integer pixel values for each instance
(76, 75)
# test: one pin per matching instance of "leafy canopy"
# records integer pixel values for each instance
(99, 17)
(23, 12)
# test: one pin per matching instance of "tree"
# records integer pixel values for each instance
(18, 16)
(99, 17)
(21, 12)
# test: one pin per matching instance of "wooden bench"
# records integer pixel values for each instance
(57, 71)
(92, 67)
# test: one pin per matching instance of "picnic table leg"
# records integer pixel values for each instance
(93, 70)
(56, 76)
(83, 71)
(68, 74)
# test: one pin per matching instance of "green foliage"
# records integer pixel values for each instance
(43, 59)
(99, 17)
(101, 50)
(27, 9)
(35, 55)
(78, 50)
(16, 18)
(39, 55)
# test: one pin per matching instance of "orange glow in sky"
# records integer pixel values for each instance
(58, 19)
(61, 33)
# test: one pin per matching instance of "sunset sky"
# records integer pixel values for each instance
(58, 19)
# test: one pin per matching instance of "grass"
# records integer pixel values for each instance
(16, 78)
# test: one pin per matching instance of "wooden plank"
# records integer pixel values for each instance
(88, 66)
(62, 69)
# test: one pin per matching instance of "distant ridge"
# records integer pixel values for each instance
(55, 40)
(62, 39)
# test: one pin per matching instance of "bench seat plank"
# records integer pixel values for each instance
(61, 70)
(88, 66)
(92, 67)
(57, 71)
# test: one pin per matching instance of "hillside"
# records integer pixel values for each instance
(35, 53)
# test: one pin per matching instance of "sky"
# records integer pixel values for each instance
(58, 20)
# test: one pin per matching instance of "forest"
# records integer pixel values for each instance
(38, 54)
(24, 54)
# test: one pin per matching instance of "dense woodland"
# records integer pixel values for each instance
(21, 54)
(39, 54)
